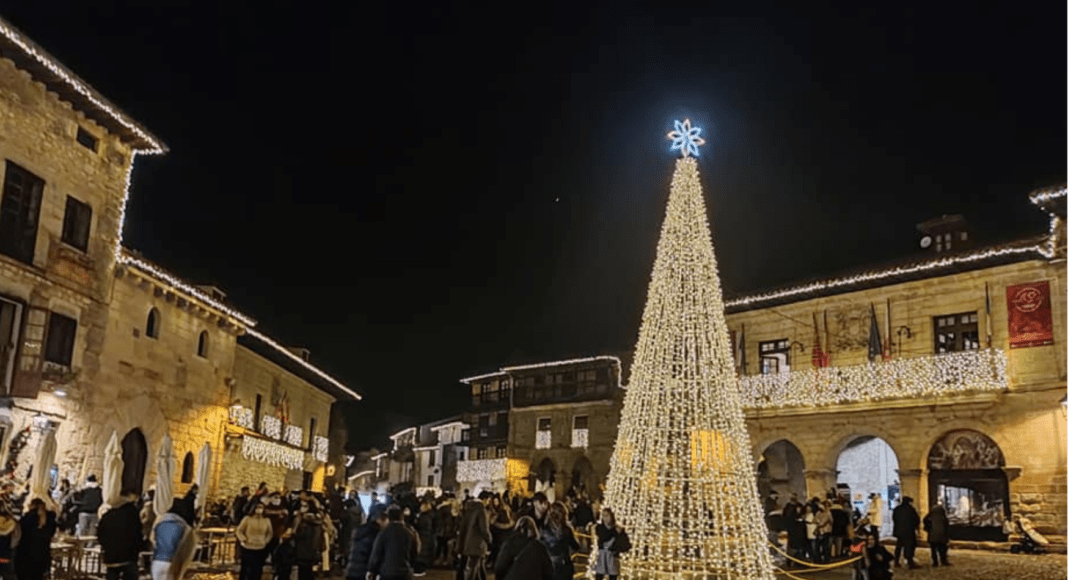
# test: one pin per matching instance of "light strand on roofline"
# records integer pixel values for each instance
(1042, 195)
(266, 340)
(79, 87)
(127, 259)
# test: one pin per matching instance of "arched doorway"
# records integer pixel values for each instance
(868, 465)
(582, 480)
(545, 478)
(134, 460)
(780, 474)
(965, 475)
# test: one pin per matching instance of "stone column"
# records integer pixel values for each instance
(911, 482)
(818, 481)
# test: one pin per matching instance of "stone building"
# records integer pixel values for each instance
(98, 340)
(543, 427)
(438, 449)
(946, 374)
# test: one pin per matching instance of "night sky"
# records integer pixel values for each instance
(418, 192)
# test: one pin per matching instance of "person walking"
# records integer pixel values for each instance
(612, 540)
(308, 541)
(254, 535)
(121, 538)
(174, 545)
(88, 502)
(560, 541)
(875, 514)
(362, 544)
(475, 538)
(394, 550)
(906, 523)
(841, 529)
(522, 556)
(936, 523)
(33, 557)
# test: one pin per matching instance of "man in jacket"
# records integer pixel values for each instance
(475, 537)
(362, 544)
(906, 522)
(237, 510)
(89, 501)
(119, 532)
(937, 525)
(394, 550)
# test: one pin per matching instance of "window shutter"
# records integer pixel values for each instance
(27, 379)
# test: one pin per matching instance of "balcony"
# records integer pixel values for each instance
(491, 400)
(918, 377)
(492, 434)
(481, 470)
(561, 393)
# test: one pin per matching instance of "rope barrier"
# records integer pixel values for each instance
(812, 564)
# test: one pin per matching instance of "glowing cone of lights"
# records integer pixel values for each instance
(682, 480)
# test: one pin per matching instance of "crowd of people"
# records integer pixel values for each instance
(823, 530)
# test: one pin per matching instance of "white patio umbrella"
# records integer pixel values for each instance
(164, 477)
(42, 469)
(203, 474)
(113, 465)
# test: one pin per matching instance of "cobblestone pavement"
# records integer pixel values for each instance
(967, 565)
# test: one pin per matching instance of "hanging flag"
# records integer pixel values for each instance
(818, 358)
(875, 340)
(827, 348)
(740, 358)
(889, 343)
(989, 337)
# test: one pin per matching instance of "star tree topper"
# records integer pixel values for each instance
(686, 138)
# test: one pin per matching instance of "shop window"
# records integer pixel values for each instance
(152, 325)
(20, 211)
(187, 468)
(775, 356)
(59, 343)
(76, 220)
(956, 332)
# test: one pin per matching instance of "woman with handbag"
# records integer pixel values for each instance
(612, 540)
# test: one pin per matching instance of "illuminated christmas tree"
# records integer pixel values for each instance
(682, 479)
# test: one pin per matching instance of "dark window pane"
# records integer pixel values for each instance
(59, 347)
(76, 220)
(19, 213)
(86, 139)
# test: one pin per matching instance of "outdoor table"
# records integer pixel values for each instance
(215, 545)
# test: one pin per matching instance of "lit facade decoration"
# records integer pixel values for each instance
(294, 435)
(580, 438)
(241, 416)
(923, 376)
(272, 453)
(543, 440)
(481, 470)
(271, 426)
(682, 478)
(686, 138)
(322, 448)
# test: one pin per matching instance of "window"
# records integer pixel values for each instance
(10, 324)
(580, 433)
(581, 422)
(59, 343)
(257, 410)
(311, 432)
(502, 419)
(430, 481)
(956, 332)
(544, 436)
(152, 326)
(86, 139)
(19, 212)
(76, 221)
(775, 356)
(502, 451)
(202, 344)
(482, 451)
(587, 376)
(461, 455)
(493, 420)
(187, 468)
(433, 457)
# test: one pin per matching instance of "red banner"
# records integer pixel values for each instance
(1030, 318)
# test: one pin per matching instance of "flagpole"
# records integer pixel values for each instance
(889, 339)
(989, 331)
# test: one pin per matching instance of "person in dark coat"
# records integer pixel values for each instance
(937, 525)
(906, 523)
(8, 535)
(522, 556)
(308, 541)
(445, 528)
(877, 559)
(237, 509)
(560, 541)
(33, 557)
(88, 502)
(396, 547)
(424, 526)
(362, 544)
(795, 527)
(187, 505)
(475, 538)
(121, 538)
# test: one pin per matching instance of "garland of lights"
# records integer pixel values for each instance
(681, 478)
(580, 438)
(294, 435)
(322, 448)
(481, 470)
(242, 417)
(543, 440)
(271, 453)
(18, 443)
(271, 426)
(919, 377)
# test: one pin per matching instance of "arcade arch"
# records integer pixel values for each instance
(780, 474)
(965, 474)
(868, 465)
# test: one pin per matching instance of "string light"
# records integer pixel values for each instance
(242, 417)
(504, 371)
(543, 440)
(127, 259)
(580, 438)
(294, 435)
(917, 377)
(322, 448)
(681, 478)
(475, 470)
(271, 453)
(308, 366)
(271, 426)
(469, 380)
(1040, 196)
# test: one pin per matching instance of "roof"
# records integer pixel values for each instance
(44, 68)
